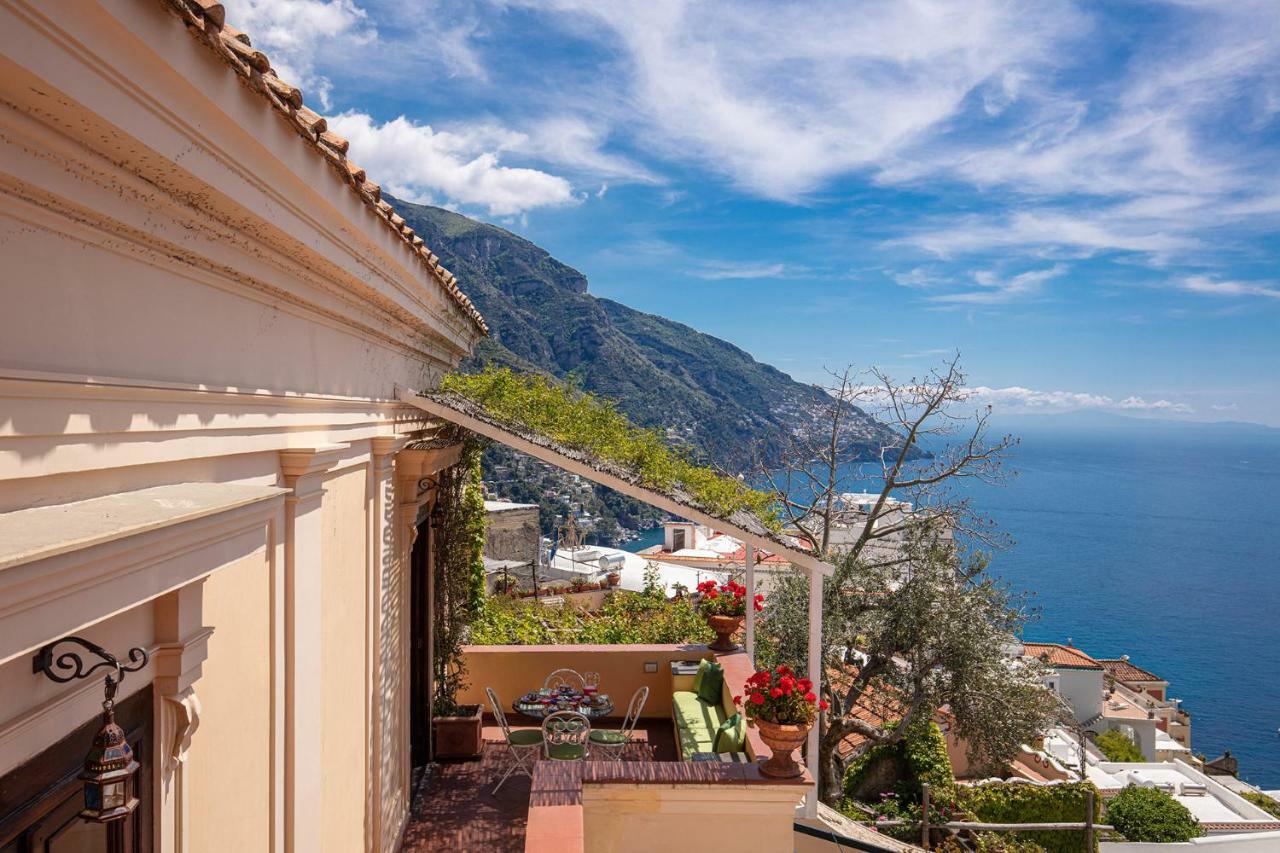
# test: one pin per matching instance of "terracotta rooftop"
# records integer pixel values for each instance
(1057, 655)
(1123, 670)
(206, 21)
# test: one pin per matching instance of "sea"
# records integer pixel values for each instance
(1161, 541)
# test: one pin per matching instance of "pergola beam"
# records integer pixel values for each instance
(573, 465)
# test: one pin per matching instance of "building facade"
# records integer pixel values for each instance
(208, 310)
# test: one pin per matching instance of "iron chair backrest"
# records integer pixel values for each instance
(498, 713)
(633, 711)
(591, 679)
(567, 676)
(565, 728)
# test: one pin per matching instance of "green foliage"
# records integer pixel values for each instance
(1116, 746)
(1001, 802)
(459, 573)
(869, 765)
(625, 618)
(988, 842)
(1262, 801)
(472, 520)
(890, 807)
(595, 427)
(925, 750)
(919, 757)
(1149, 814)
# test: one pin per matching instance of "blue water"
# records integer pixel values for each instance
(1161, 542)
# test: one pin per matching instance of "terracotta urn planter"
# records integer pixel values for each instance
(725, 627)
(783, 741)
(460, 736)
(613, 578)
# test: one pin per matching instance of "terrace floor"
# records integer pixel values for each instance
(457, 810)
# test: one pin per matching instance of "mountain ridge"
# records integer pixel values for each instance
(706, 393)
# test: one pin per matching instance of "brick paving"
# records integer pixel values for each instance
(456, 809)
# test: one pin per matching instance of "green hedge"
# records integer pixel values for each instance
(1117, 747)
(922, 755)
(1262, 801)
(1149, 814)
(1002, 802)
(925, 750)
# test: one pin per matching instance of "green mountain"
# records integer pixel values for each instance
(705, 392)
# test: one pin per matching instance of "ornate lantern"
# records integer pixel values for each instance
(110, 771)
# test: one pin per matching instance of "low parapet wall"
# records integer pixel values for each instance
(515, 670)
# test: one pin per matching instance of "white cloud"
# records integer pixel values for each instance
(418, 163)
(1228, 407)
(781, 98)
(718, 270)
(1214, 287)
(999, 289)
(1016, 399)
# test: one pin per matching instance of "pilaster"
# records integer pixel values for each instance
(181, 648)
(302, 470)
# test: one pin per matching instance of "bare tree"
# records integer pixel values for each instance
(938, 440)
(913, 640)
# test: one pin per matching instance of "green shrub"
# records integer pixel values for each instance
(1262, 801)
(1116, 746)
(919, 758)
(1149, 814)
(625, 618)
(925, 750)
(593, 426)
(1002, 802)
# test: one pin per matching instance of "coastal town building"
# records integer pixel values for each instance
(1101, 701)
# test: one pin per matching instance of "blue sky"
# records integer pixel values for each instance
(1083, 199)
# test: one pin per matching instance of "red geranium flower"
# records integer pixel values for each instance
(757, 698)
(822, 706)
(775, 692)
(810, 697)
(737, 700)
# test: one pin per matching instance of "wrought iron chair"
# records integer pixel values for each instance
(524, 744)
(614, 742)
(566, 736)
(571, 677)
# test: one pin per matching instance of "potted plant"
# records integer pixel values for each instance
(783, 708)
(724, 607)
(613, 578)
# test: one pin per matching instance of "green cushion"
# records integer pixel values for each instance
(696, 722)
(731, 735)
(703, 665)
(525, 737)
(711, 687)
(608, 736)
(565, 751)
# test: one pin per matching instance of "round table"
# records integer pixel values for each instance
(602, 707)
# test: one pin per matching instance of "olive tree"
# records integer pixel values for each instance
(912, 622)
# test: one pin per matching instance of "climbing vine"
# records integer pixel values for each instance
(594, 426)
(459, 571)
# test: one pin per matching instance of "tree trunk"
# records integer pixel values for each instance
(830, 786)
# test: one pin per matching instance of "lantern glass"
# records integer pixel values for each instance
(92, 797)
(113, 794)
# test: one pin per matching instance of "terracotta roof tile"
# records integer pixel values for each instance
(1061, 656)
(1123, 670)
(206, 20)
